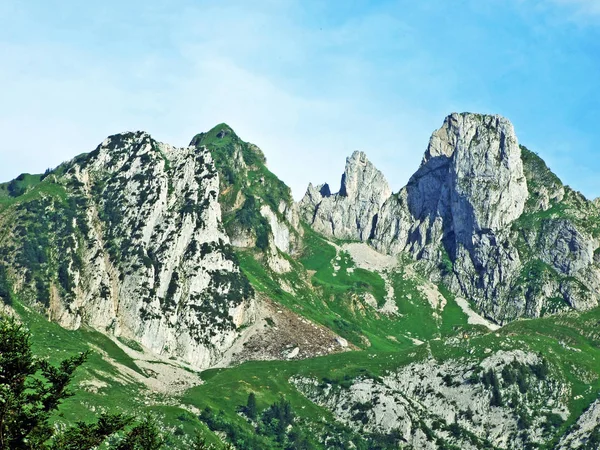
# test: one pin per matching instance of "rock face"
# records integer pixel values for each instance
(143, 252)
(585, 433)
(265, 215)
(482, 214)
(460, 204)
(469, 187)
(352, 213)
(426, 403)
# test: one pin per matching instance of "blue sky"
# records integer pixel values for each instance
(307, 81)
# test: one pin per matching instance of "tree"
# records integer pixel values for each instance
(251, 410)
(87, 436)
(277, 418)
(5, 291)
(144, 436)
(32, 389)
(199, 443)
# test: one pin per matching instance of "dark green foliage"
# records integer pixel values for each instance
(359, 411)
(14, 189)
(593, 441)
(518, 373)
(143, 436)
(171, 290)
(508, 375)
(250, 409)
(455, 429)
(541, 370)
(48, 232)
(447, 379)
(249, 217)
(22, 183)
(552, 423)
(446, 264)
(63, 276)
(131, 344)
(242, 439)
(88, 436)
(276, 418)
(199, 443)
(490, 379)
(47, 172)
(42, 291)
(524, 420)
(276, 428)
(6, 295)
(32, 389)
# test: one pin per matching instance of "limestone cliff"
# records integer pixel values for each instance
(128, 239)
(258, 207)
(482, 214)
(352, 212)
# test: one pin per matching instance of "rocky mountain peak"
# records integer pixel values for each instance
(221, 130)
(464, 126)
(489, 188)
(359, 174)
(144, 254)
(470, 214)
(352, 212)
(266, 216)
(225, 144)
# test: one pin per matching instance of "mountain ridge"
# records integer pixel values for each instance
(469, 191)
(362, 307)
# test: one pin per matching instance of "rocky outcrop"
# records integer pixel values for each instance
(459, 205)
(267, 217)
(469, 187)
(352, 213)
(482, 213)
(459, 402)
(142, 253)
(585, 434)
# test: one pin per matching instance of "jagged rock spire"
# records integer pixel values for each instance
(352, 212)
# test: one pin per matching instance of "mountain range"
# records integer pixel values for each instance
(459, 312)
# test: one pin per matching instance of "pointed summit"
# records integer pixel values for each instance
(219, 134)
(352, 212)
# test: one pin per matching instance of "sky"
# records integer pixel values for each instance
(307, 81)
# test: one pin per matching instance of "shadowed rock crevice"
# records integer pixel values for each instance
(462, 215)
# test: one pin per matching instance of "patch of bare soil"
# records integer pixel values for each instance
(282, 334)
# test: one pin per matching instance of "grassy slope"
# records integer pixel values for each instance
(333, 298)
(119, 393)
(332, 301)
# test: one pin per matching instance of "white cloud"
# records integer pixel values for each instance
(583, 7)
(249, 69)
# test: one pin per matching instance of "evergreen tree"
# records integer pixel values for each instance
(31, 390)
(144, 436)
(250, 409)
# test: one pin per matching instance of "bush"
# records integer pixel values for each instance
(5, 289)
(32, 389)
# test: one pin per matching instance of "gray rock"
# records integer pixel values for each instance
(146, 247)
(469, 189)
(581, 433)
(469, 216)
(413, 399)
(352, 212)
